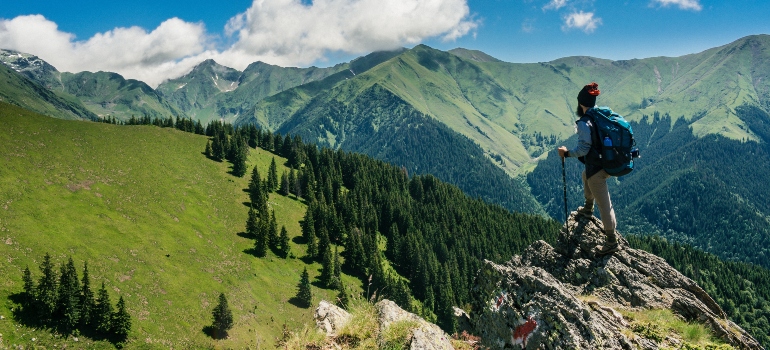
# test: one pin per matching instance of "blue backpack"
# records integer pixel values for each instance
(614, 141)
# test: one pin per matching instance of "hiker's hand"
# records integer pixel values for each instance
(562, 150)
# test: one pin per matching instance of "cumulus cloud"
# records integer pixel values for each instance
(584, 21)
(291, 33)
(555, 5)
(282, 32)
(682, 4)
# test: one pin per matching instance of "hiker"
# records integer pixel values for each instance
(594, 176)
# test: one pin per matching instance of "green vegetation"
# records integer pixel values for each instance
(658, 325)
(223, 318)
(160, 224)
(743, 290)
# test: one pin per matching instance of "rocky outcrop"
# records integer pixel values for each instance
(568, 297)
(426, 336)
(423, 336)
(330, 318)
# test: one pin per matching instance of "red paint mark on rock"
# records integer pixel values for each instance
(523, 331)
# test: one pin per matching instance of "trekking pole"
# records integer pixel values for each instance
(564, 180)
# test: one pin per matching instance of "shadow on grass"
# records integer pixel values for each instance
(253, 252)
(245, 235)
(298, 303)
(299, 240)
(214, 333)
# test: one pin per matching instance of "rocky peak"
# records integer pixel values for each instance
(568, 297)
(32, 67)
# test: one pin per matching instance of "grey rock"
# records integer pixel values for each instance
(426, 336)
(330, 318)
(567, 297)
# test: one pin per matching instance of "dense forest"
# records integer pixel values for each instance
(381, 125)
(708, 192)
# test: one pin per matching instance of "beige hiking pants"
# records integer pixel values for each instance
(595, 189)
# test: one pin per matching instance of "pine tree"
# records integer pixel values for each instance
(87, 302)
(46, 291)
(283, 247)
(223, 318)
(445, 312)
(284, 189)
(293, 182)
(68, 297)
(272, 231)
(272, 177)
(29, 288)
(337, 272)
(102, 316)
(121, 322)
(324, 243)
(304, 293)
(208, 151)
(258, 229)
(218, 148)
(257, 194)
(327, 268)
(312, 247)
(240, 153)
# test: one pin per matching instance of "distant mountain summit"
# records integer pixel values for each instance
(32, 67)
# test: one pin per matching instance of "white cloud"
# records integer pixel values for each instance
(584, 21)
(282, 32)
(290, 33)
(555, 5)
(682, 4)
(132, 52)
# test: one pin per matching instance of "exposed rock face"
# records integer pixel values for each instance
(330, 318)
(567, 297)
(427, 336)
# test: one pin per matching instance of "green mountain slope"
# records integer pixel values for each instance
(102, 93)
(157, 222)
(381, 125)
(18, 90)
(109, 94)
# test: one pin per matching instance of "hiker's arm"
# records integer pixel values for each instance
(584, 141)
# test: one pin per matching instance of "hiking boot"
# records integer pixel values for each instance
(608, 248)
(587, 211)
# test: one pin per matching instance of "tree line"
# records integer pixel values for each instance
(67, 304)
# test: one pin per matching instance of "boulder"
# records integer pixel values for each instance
(330, 318)
(426, 336)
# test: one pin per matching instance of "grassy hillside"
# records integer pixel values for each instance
(158, 223)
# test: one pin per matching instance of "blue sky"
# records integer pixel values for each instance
(156, 40)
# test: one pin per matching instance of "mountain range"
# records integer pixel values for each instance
(477, 122)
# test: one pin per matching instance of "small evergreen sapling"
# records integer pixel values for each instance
(102, 316)
(223, 318)
(283, 243)
(304, 294)
(121, 322)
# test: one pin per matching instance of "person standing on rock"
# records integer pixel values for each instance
(594, 177)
